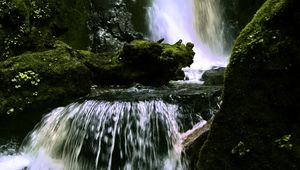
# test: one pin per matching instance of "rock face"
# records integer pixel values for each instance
(112, 25)
(148, 63)
(214, 76)
(34, 83)
(258, 124)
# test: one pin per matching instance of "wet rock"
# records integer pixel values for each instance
(111, 25)
(214, 76)
(257, 126)
(193, 140)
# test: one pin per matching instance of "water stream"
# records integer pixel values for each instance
(105, 135)
(113, 128)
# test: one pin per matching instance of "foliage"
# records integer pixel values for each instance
(10, 111)
(26, 77)
(240, 149)
(23, 26)
(40, 10)
(284, 142)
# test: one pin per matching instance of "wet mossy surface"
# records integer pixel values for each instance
(34, 83)
(261, 93)
(145, 62)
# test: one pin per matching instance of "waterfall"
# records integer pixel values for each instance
(196, 21)
(107, 135)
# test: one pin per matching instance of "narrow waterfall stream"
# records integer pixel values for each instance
(196, 21)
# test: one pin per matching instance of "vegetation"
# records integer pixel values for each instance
(284, 142)
(240, 149)
(26, 77)
(24, 23)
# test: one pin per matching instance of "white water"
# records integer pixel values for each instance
(196, 21)
(103, 135)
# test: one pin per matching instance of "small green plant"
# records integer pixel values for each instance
(35, 93)
(10, 111)
(240, 149)
(284, 142)
(40, 10)
(6, 7)
(25, 78)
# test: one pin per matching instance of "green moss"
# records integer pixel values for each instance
(140, 61)
(24, 26)
(73, 17)
(34, 83)
(32, 25)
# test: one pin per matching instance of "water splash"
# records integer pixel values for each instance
(197, 21)
(107, 135)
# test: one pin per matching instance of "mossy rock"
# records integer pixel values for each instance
(34, 83)
(261, 95)
(145, 62)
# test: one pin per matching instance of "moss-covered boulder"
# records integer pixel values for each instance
(145, 62)
(258, 124)
(34, 83)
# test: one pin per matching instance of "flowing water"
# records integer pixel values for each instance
(114, 128)
(196, 21)
(105, 135)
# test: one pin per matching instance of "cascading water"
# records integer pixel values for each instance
(106, 135)
(197, 21)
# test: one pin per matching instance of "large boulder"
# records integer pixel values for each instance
(34, 83)
(145, 62)
(258, 124)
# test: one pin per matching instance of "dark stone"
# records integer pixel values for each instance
(237, 14)
(111, 24)
(261, 96)
(214, 76)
